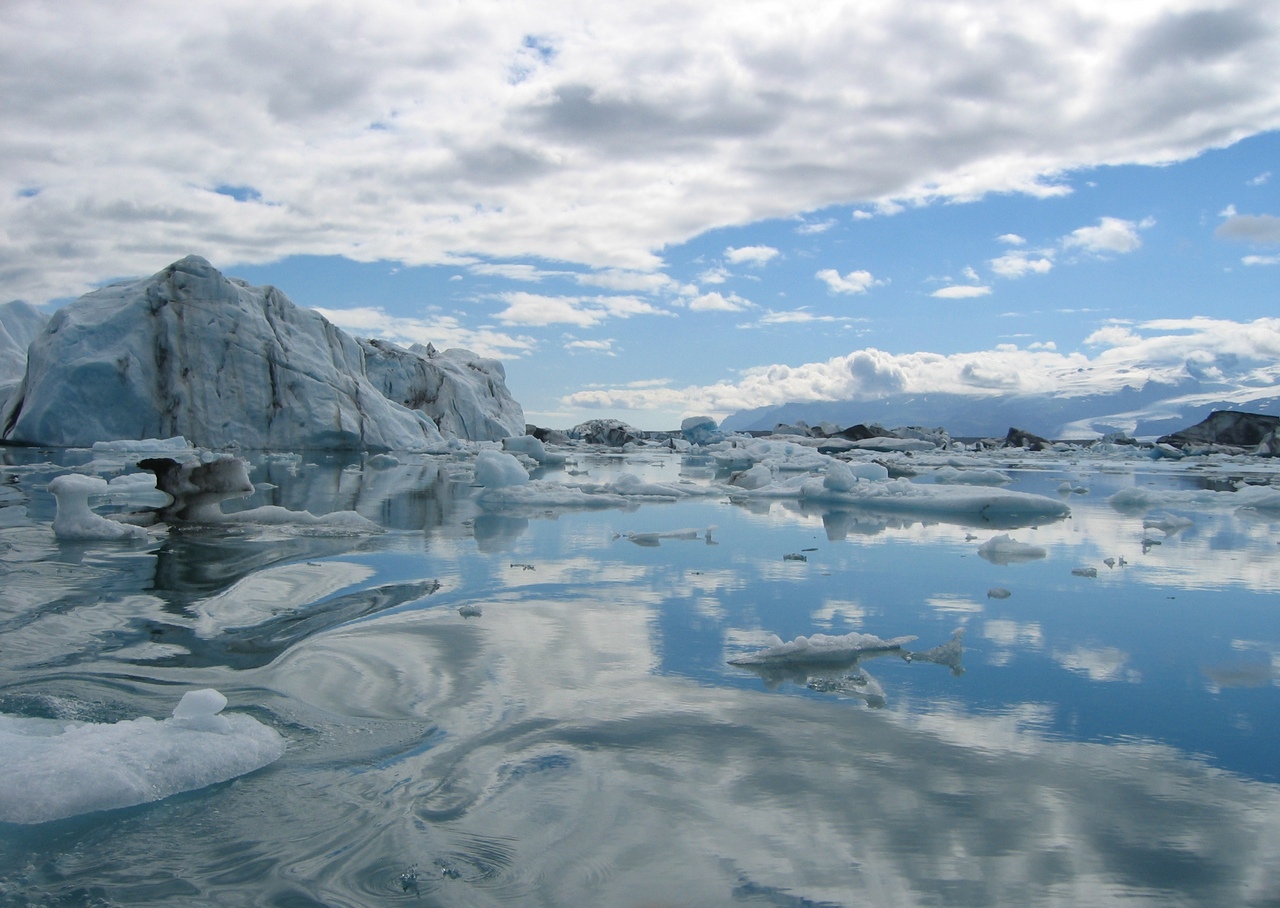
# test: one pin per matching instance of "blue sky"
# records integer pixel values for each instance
(648, 217)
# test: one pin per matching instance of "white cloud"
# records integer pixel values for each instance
(1261, 260)
(1017, 263)
(1260, 180)
(1011, 239)
(717, 275)
(444, 331)
(853, 282)
(1127, 356)
(809, 229)
(536, 309)
(961, 292)
(795, 317)
(717, 302)
(594, 346)
(429, 133)
(751, 255)
(512, 272)
(1108, 235)
(621, 280)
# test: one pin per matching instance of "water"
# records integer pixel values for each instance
(583, 741)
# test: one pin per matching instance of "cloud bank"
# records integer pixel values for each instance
(433, 133)
(1239, 355)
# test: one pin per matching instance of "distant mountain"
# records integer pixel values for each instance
(1155, 409)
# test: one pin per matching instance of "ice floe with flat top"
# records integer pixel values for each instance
(56, 768)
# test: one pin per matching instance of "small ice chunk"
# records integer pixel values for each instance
(470, 611)
(497, 469)
(74, 521)
(1167, 523)
(1085, 571)
(998, 592)
(821, 648)
(757, 477)
(199, 709)
(1004, 549)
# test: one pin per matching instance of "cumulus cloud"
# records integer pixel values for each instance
(1018, 263)
(1259, 229)
(1126, 356)
(853, 282)
(718, 302)
(1011, 239)
(604, 347)
(1108, 235)
(751, 255)
(429, 134)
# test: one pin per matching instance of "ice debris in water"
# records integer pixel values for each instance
(74, 521)
(497, 469)
(652, 539)
(470, 611)
(56, 768)
(998, 592)
(1004, 549)
(821, 648)
(1085, 571)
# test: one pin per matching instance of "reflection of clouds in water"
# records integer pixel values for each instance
(1258, 665)
(1013, 634)
(847, 611)
(950, 604)
(1102, 664)
(617, 784)
(274, 591)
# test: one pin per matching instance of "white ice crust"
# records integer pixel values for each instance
(55, 768)
(74, 521)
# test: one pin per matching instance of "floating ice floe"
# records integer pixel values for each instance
(1254, 497)
(1004, 549)
(75, 521)
(1005, 507)
(998, 592)
(55, 768)
(821, 649)
(653, 539)
(949, 475)
(1167, 523)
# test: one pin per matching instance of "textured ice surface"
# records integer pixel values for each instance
(55, 769)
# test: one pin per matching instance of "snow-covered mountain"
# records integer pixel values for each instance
(1157, 408)
(191, 352)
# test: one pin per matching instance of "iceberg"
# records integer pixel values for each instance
(1004, 549)
(821, 649)
(56, 768)
(191, 352)
(74, 521)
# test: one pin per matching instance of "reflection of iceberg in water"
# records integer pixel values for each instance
(833, 664)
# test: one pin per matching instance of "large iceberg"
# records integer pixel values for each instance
(191, 352)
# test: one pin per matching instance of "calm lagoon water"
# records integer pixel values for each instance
(1084, 740)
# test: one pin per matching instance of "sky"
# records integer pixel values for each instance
(654, 211)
